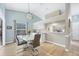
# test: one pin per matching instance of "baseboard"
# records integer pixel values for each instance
(9, 42)
(56, 44)
(1, 46)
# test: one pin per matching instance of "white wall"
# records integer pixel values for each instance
(75, 31)
(75, 20)
(39, 25)
(74, 9)
(58, 38)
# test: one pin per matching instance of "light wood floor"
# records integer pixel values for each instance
(75, 45)
(46, 49)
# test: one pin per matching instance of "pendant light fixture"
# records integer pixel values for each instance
(29, 15)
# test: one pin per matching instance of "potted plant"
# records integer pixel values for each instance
(29, 32)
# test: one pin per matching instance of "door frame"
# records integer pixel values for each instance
(3, 31)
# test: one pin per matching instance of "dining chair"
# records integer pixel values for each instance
(21, 43)
(35, 43)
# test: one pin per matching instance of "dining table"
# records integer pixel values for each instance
(28, 38)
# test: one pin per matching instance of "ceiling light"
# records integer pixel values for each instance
(29, 15)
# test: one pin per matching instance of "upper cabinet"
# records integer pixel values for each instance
(54, 17)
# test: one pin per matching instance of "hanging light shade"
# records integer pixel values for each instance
(29, 15)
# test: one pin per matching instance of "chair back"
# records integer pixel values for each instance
(17, 40)
(36, 41)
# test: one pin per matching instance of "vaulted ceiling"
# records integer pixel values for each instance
(39, 9)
